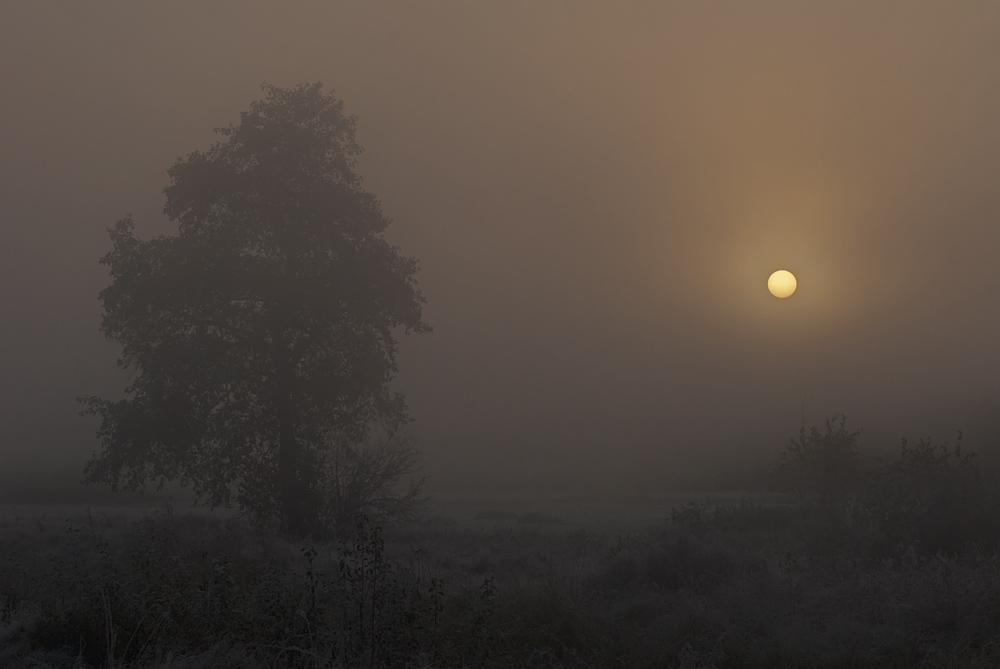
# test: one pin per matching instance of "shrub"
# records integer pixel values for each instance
(369, 479)
(932, 498)
(826, 464)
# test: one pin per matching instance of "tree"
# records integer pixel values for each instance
(825, 463)
(264, 325)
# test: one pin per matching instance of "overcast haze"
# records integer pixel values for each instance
(596, 193)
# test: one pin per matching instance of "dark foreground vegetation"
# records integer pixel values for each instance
(902, 572)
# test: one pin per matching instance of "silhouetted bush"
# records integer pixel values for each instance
(375, 478)
(933, 498)
(824, 464)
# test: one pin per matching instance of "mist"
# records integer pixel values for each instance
(596, 194)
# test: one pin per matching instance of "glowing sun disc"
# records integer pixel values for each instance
(782, 283)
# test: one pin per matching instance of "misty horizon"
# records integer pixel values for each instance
(596, 199)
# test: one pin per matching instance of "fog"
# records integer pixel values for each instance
(596, 193)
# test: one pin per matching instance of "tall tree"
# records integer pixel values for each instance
(267, 322)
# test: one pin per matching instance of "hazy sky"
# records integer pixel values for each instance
(596, 193)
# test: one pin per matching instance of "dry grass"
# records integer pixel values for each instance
(717, 586)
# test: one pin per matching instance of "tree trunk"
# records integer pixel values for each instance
(290, 489)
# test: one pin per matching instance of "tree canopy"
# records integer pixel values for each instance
(265, 324)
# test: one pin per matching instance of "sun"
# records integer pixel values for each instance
(782, 283)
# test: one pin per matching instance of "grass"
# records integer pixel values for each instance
(709, 585)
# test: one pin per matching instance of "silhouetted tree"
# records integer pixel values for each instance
(824, 463)
(265, 324)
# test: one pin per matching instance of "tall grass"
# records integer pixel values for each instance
(713, 586)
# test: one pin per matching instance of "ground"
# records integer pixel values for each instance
(732, 581)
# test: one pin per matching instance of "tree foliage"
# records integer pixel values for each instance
(265, 324)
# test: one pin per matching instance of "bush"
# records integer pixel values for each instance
(932, 498)
(826, 464)
(368, 479)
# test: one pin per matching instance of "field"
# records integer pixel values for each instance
(671, 582)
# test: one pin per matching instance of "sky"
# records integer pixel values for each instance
(596, 193)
